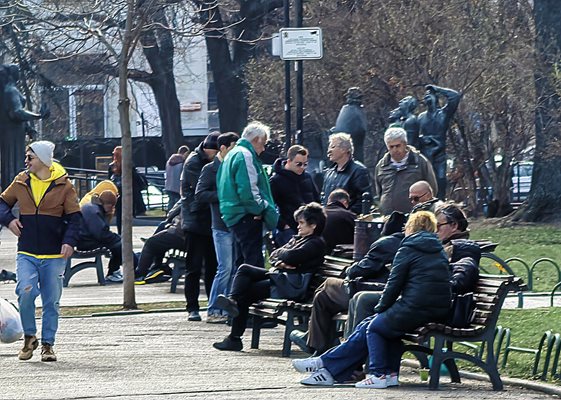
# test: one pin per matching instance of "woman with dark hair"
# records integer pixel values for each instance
(302, 254)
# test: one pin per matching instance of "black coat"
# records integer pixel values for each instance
(304, 253)
(206, 192)
(353, 178)
(290, 191)
(339, 225)
(464, 265)
(195, 213)
(94, 228)
(373, 264)
(418, 289)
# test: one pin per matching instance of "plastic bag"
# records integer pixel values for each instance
(10, 322)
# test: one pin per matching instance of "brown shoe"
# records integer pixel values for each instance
(30, 343)
(47, 353)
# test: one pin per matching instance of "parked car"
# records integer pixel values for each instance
(521, 180)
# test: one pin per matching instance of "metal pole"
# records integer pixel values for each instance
(143, 144)
(299, 80)
(287, 98)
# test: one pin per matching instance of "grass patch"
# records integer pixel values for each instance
(529, 243)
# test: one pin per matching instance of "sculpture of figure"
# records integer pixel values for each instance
(404, 115)
(433, 125)
(352, 120)
(14, 123)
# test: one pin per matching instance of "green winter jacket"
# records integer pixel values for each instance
(243, 187)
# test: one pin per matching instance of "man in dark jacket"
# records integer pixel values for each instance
(346, 173)
(95, 231)
(340, 224)
(196, 223)
(292, 187)
(206, 192)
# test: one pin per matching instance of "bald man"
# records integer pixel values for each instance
(422, 197)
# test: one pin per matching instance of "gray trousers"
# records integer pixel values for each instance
(361, 306)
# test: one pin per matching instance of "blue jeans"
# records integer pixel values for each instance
(366, 341)
(39, 277)
(224, 247)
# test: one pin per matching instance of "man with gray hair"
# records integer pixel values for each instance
(398, 169)
(244, 194)
(346, 173)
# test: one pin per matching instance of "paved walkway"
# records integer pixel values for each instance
(163, 356)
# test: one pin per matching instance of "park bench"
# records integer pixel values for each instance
(293, 314)
(175, 259)
(97, 263)
(489, 295)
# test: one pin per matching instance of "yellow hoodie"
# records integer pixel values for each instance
(39, 187)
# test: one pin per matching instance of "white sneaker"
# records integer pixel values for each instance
(392, 380)
(373, 382)
(114, 277)
(311, 364)
(321, 377)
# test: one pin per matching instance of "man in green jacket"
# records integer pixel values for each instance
(244, 194)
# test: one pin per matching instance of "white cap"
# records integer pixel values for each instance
(43, 149)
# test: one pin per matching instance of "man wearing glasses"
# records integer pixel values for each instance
(422, 197)
(47, 231)
(292, 187)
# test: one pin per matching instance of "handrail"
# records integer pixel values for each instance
(552, 295)
(529, 281)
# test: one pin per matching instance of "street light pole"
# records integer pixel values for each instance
(299, 65)
(287, 95)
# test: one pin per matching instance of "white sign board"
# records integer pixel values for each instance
(301, 43)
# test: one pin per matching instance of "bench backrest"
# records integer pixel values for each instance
(332, 267)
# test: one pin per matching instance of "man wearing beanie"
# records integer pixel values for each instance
(95, 231)
(197, 225)
(47, 229)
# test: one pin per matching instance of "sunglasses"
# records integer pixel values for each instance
(443, 223)
(301, 164)
(29, 157)
(417, 198)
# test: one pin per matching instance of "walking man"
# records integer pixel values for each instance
(47, 229)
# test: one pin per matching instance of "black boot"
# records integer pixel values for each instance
(229, 344)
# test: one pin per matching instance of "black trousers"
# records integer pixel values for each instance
(248, 236)
(200, 253)
(114, 246)
(250, 284)
(154, 249)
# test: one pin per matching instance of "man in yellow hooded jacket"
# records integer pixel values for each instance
(47, 231)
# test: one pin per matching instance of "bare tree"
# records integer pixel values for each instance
(543, 202)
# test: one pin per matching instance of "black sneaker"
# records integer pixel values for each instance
(156, 277)
(229, 344)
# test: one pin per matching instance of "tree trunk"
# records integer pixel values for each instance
(543, 201)
(158, 48)
(129, 300)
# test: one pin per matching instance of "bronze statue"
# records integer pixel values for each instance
(405, 117)
(14, 123)
(433, 126)
(352, 120)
